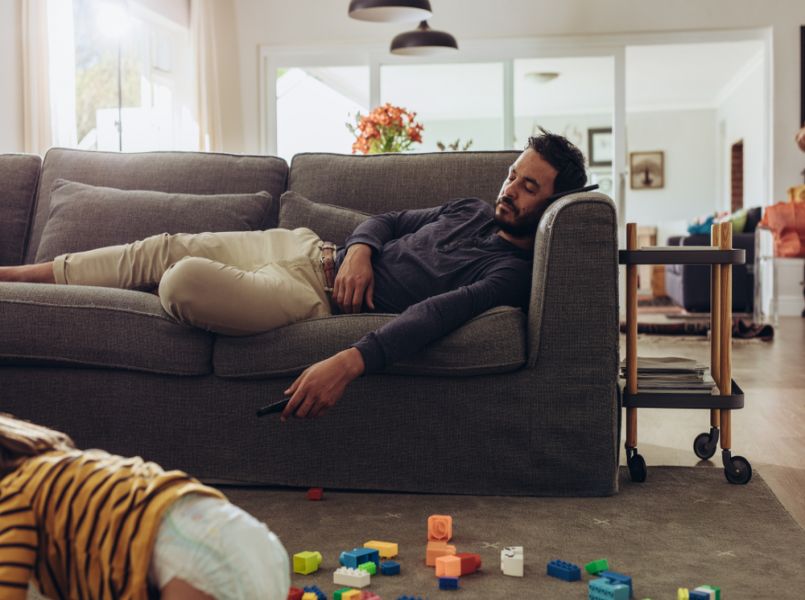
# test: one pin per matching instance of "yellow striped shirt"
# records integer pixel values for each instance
(82, 524)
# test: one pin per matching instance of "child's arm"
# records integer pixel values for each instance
(18, 547)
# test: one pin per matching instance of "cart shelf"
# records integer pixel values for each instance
(671, 400)
(682, 255)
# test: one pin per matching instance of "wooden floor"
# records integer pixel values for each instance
(769, 431)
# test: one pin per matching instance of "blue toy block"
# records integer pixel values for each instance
(694, 595)
(613, 577)
(389, 567)
(409, 598)
(357, 556)
(315, 589)
(448, 583)
(564, 570)
(602, 589)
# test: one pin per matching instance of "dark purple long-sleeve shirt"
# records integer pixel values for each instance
(438, 268)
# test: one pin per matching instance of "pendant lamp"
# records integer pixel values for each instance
(390, 10)
(423, 40)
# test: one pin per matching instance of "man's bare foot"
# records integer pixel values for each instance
(38, 273)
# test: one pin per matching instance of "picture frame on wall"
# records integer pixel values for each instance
(647, 170)
(599, 147)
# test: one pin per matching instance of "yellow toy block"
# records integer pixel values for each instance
(682, 594)
(309, 596)
(448, 566)
(386, 549)
(306, 563)
(440, 528)
(351, 595)
(436, 549)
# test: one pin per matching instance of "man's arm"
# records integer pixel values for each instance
(380, 229)
(321, 385)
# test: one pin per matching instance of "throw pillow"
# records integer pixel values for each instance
(331, 223)
(738, 219)
(84, 217)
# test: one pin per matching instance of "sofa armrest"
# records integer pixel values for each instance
(573, 311)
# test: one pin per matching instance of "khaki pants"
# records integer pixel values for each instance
(235, 283)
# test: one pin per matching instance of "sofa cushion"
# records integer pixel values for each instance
(97, 327)
(18, 176)
(173, 172)
(379, 183)
(331, 223)
(83, 217)
(492, 342)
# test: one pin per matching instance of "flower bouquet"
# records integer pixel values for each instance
(387, 128)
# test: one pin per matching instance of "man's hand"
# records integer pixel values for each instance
(321, 385)
(355, 281)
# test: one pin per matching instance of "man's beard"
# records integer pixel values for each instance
(523, 226)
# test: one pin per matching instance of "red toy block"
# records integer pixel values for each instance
(315, 493)
(470, 562)
(440, 528)
(295, 593)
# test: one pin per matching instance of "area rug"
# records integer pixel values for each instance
(683, 527)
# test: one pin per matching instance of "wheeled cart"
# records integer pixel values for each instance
(720, 256)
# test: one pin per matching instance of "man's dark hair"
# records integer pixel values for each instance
(563, 156)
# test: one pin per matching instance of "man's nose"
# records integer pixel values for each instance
(510, 189)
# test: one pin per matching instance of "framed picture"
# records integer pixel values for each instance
(647, 170)
(603, 177)
(599, 147)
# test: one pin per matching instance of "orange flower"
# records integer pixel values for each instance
(386, 128)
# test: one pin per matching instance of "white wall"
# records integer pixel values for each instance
(317, 23)
(737, 118)
(11, 132)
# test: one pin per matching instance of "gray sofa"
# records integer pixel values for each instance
(511, 403)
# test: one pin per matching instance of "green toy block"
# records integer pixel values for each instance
(369, 567)
(306, 563)
(595, 567)
(338, 593)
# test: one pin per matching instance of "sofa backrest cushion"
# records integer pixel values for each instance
(331, 223)
(174, 172)
(383, 182)
(18, 176)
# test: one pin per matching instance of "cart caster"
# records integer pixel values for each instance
(705, 444)
(737, 469)
(637, 466)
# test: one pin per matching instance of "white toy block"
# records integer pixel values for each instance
(511, 561)
(356, 578)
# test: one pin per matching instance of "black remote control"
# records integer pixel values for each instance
(274, 407)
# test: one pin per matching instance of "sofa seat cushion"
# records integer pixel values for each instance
(97, 327)
(492, 342)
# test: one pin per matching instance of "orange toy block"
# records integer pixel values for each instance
(448, 566)
(437, 549)
(440, 528)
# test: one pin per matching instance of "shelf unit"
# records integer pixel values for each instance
(720, 256)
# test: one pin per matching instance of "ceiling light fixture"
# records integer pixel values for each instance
(390, 10)
(423, 40)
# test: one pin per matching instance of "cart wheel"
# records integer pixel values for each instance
(704, 446)
(739, 471)
(637, 468)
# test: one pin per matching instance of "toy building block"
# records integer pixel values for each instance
(448, 583)
(694, 595)
(309, 596)
(448, 566)
(386, 549)
(564, 570)
(389, 567)
(682, 594)
(602, 589)
(596, 566)
(511, 561)
(440, 528)
(356, 578)
(715, 592)
(339, 594)
(369, 595)
(295, 593)
(470, 562)
(436, 549)
(613, 577)
(317, 593)
(358, 556)
(306, 562)
(369, 567)
(315, 494)
(409, 598)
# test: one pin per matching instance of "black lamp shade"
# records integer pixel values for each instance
(390, 10)
(423, 40)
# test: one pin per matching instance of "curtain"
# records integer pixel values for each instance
(205, 38)
(48, 71)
